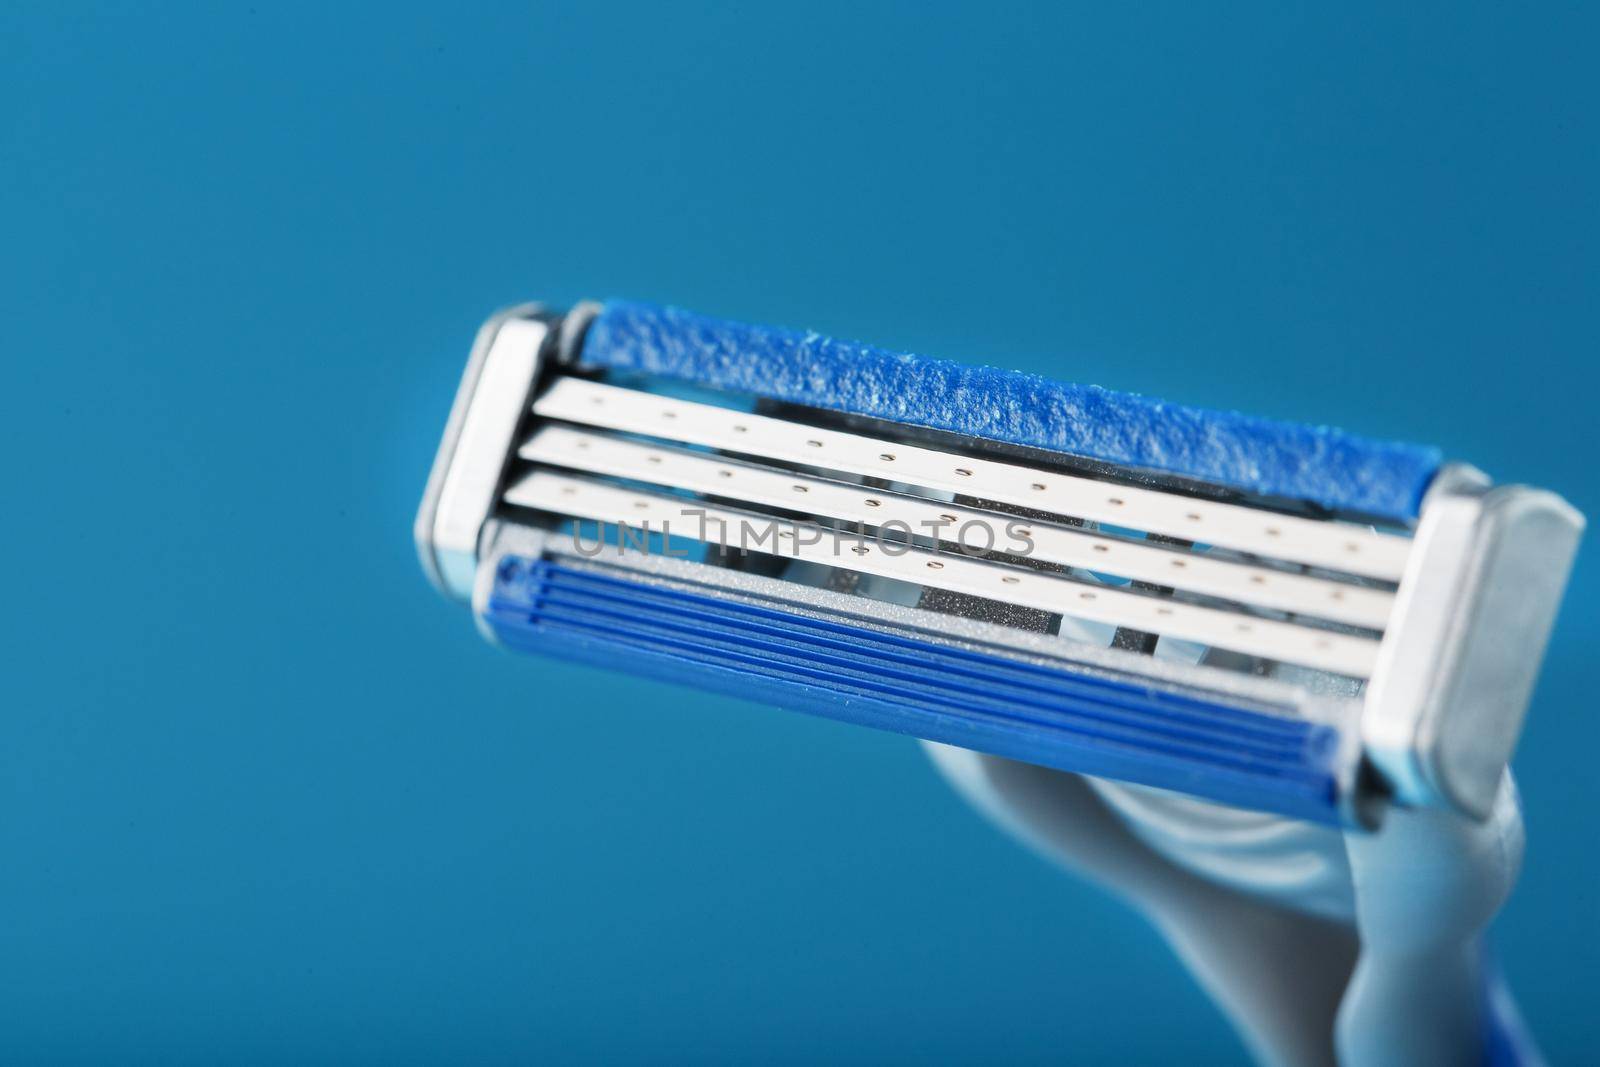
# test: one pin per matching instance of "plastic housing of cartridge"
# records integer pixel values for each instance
(1280, 617)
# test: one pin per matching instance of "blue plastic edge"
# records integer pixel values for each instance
(842, 670)
(1320, 464)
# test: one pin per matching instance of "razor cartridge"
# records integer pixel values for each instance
(1279, 617)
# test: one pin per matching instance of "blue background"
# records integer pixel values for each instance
(263, 796)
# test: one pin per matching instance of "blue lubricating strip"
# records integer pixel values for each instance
(1079, 722)
(1319, 464)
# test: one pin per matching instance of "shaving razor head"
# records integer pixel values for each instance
(1280, 617)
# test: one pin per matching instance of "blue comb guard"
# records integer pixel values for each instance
(1108, 726)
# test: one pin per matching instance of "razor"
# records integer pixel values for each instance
(1286, 618)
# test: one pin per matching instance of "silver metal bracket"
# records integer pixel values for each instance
(1460, 657)
(477, 443)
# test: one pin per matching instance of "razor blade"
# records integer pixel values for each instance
(1285, 618)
